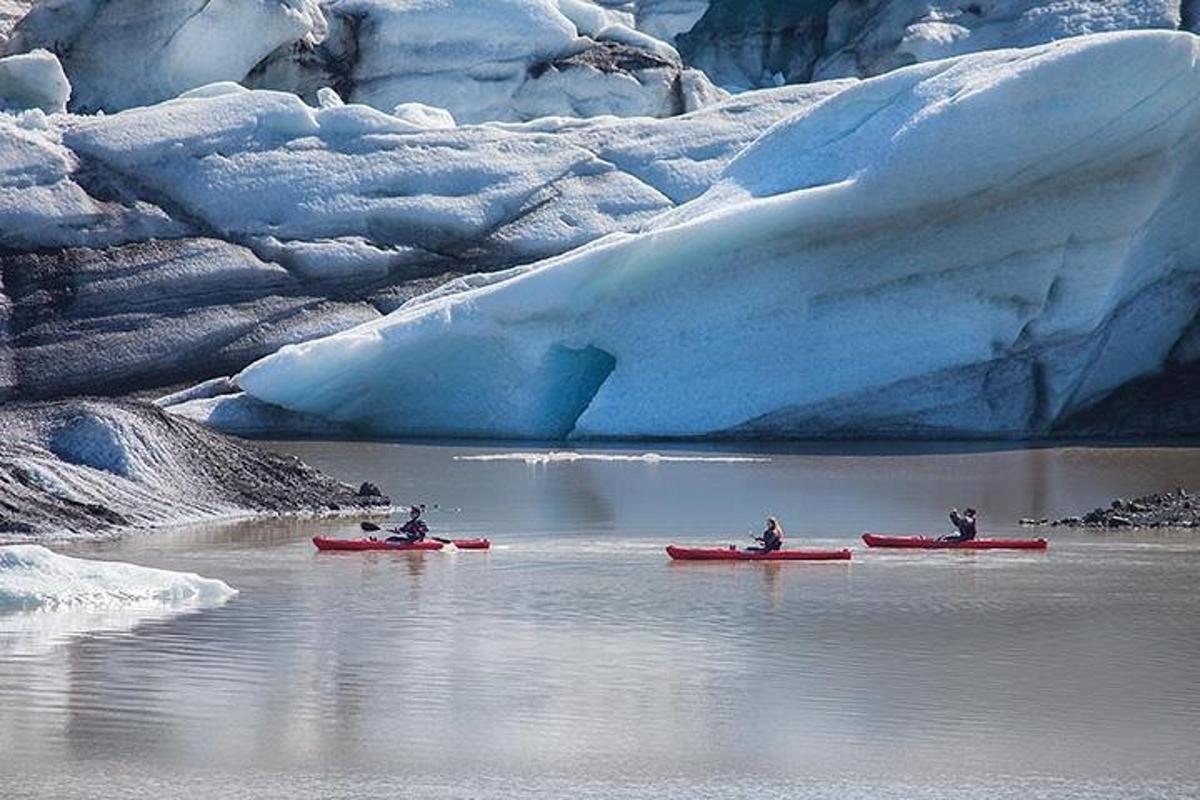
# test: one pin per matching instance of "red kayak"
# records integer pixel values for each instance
(728, 554)
(931, 543)
(326, 543)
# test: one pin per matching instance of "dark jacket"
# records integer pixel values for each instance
(964, 524)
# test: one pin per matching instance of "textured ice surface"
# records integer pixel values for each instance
(748, 43)
(184, 240)
(490, 60)
(977, 246)
(479, 59)
(121, 53)
(870, 38)
(33, 80)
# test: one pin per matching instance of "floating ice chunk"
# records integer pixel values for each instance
(47, 598)
(33, 81)
(33, 577)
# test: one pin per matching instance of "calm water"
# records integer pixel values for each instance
(574, 660)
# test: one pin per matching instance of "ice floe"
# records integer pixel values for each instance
(33, 577)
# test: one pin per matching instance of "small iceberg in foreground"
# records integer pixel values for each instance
(33, 578)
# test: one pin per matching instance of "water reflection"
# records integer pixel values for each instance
(575, 659)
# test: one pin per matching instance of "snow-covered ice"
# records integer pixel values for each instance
(47, 598)
(33, 577)
(122, 53)
(490, 60)
(978, 246)
(33, 80)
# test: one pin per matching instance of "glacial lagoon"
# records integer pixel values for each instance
(574, 660)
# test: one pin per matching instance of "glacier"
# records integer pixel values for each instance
(477, 59)
(184, 240)
(980, 246)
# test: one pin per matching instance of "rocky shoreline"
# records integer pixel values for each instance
(92, 467)
(1177, 509)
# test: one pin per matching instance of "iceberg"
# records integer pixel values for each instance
(35, 578)
(47, 598)
(980, 246)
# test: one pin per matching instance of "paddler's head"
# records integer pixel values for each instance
(970, 512)
(414, 512)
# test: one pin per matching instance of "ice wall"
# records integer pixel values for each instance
(978, 246)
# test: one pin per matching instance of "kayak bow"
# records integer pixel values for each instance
(727, 554)
(931, 543)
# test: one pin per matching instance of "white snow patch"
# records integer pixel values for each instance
(423, 116)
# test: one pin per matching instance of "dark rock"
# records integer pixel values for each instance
(1175, 509)
(368, 489)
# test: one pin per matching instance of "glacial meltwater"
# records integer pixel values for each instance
(574, 660)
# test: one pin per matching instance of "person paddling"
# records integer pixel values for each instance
(412, 531)
(965, 523)
(771, 539)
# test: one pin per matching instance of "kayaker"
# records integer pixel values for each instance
(772, 537)
(964, 523)
(412, 531)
